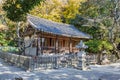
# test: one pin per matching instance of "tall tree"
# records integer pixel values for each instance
(104, 16)
(16, 11)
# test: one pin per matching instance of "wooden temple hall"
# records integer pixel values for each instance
(45, 36)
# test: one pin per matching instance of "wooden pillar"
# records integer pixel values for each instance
(70, 45)
(37, 47)
(42, 42)
(30, 36)
(56, 45)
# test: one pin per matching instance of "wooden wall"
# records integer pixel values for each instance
(52, 43)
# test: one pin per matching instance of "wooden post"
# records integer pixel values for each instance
(56, 45)
(70, 45)
(30, 43)
(37, 47)
(42, 42)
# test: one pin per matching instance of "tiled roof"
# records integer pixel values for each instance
(56, 28)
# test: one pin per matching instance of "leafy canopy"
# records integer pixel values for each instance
(16, 10)
(57, 10)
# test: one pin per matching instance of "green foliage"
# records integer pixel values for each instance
(107, 22)
(9, 49)
(16, 10)
(57, 10)
(107, 45)
(6, 39)
(118, 40)
(3, 41)
(7, 36)
(89, 9)
(101, 12)
(93, 45)
(70, 10)
(97, 9)
(96, 46)
(49, 9)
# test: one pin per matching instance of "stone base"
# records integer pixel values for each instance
(118, 61)
(105, 61)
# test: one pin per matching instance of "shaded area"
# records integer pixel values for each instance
(110, 77)
(8, 76)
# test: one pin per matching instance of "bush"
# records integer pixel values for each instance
(9, 49)
(96, 46)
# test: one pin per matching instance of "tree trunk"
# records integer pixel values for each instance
(19, 39)
(115, 51)
(116, 54)
(99, 58)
